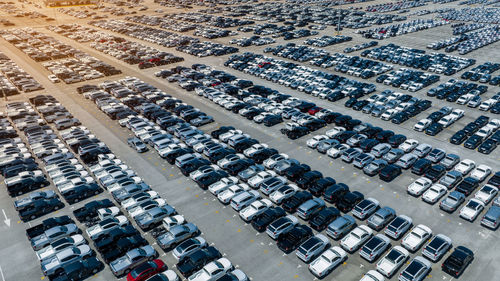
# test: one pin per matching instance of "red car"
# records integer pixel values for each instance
(146, 270)
(314, 110)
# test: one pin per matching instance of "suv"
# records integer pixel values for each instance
(436, 247)
(417, 270)
(456, 263)
(375, 247)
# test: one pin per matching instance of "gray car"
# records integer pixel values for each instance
(407, 160)
(362, 160)
(393, 155)
(452, 201)
(310, 207)
(270, 185)
(492, 218)
(131, 259)
(176, 235)
(374, 167)
(52, 234)
(32, 197)
(436, 155)
(312, 247)
(398, 226)
(324, 145)
(66, 256)
(154, 216)
(451, 179)
(450, 161)
(128, 191)
(417, 270)
(340, 226)
(250, 172)
(365, 208)
(351, 153)
(381, 217)
(281, 225)
(380, 149)
(375, 247)
(436, 247)
(282, 165)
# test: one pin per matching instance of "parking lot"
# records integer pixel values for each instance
(255, 253)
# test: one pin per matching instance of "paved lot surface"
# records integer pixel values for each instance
(255, 254)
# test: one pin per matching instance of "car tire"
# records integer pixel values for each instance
(95, 270)
(56, 208)
(76, 200)
(32, 217)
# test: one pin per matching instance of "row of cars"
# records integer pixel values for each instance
(182, 43)
(481, 133)
(172, 232)
(120, 48)
(401, 28)
(252, 208)
(13, 79)
(327, 40)
(416, 58)
(253, 40)
(436, 121)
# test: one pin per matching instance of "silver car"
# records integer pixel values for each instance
(281, 225)
(436, 247)
(176, 235)
(375, 247)
(154, 216)
(52, 234)
(67, 256)
(131, 259)
(312, 247)
(340, 226)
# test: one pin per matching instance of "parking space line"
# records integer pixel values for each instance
(1, 274)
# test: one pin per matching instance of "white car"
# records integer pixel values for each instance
(270, 162)
(422, 125)
(408, 145)
(249, 152)
(416, 237)
(434, 193)
(465, 166)
(352, 241)
(283, 193)
(457, 114)
(391, 262)
(335, 131)
(222, 185)
(337, 150)
(256, 180)
(313, 142)
(472, 209)
(212, 271)
(419, 186)
(327, 261)
(172, 221)
(255, 209)
(372, 275)
(138, 198)
(53, 78)
(446, 121)
(110, 212)
(486, 193)
(232, 191)
(481, 172)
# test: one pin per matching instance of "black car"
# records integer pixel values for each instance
(89, 210)
(421, 166)
(334, 193)
(26, 185)
(308, 179)
(434, 129)
(319, 186)
(40, 208)
(244, 144)
(78, 270)
(296, 171)
(108, 240)
(471, 128)
(384, 136)
(297, 132)
(344, 136)
(193, 262)
(458, 137)
(367, 144)
(261, 221)
(272, 120)
(212, 177)
(291, 204)
(390, 172)
(323, 218)
(193, 165)
(172, 155)
(495, 180)
(350, 102)
(396, 140)
(81, 192)
(473, 142)
(234, 168)
(400, 118)
(349, 200)
(263, 154)
(289, 241)
(47, 224)
(16, 169)
(122, 246)
(467, 186)
(224, 129)
(435, 172)
(456, 263)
